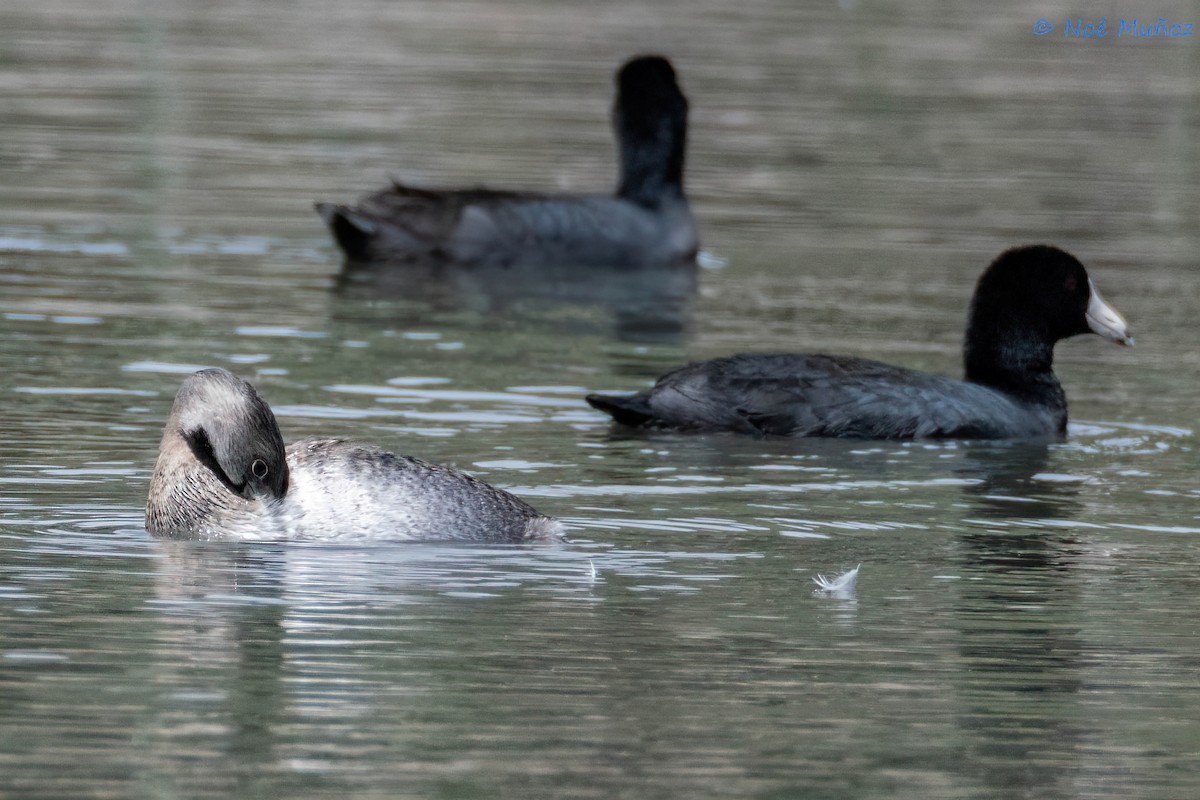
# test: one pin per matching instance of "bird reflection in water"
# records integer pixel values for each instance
(650, 304)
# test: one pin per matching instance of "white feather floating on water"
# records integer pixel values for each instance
(710, 260)
(843, 584)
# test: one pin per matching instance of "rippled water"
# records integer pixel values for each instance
(1023, 623)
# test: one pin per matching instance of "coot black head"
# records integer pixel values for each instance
(650, 118)
(1025, 302)
(648, 82)
(231, 431)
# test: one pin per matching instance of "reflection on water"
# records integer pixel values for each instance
(1023, 669)
(1023, 622)
(1013, 482)
(647, 305)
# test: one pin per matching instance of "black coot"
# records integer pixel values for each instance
(646, 223)
(1027, 300)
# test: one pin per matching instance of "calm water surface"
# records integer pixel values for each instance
(1024, 623)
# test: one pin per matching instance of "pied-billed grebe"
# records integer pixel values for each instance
(223, 472)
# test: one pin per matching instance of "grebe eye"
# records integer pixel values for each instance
(259, 468)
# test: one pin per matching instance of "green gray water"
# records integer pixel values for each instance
(1025, 619)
